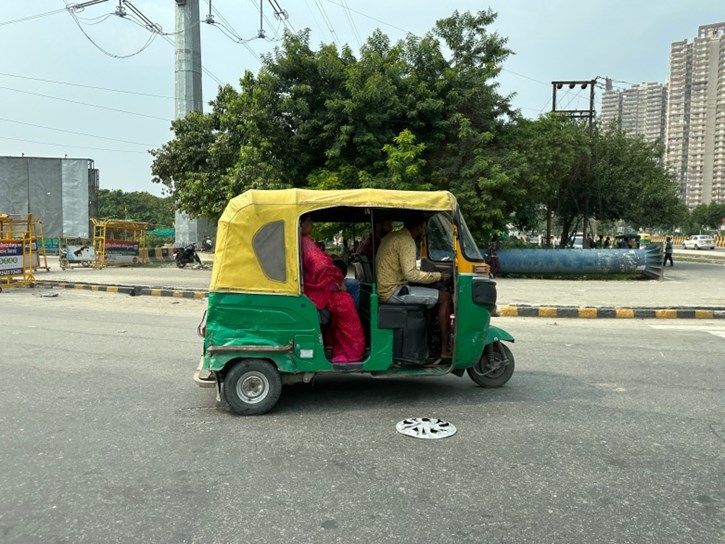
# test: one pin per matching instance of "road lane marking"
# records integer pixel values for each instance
(715, 331)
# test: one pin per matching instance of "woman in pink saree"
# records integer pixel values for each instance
(323, 284)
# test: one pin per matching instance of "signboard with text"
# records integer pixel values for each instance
(11, 257)
(122, 252)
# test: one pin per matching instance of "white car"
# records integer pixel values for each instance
(699, 241)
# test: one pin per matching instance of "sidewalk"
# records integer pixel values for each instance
(688, 289)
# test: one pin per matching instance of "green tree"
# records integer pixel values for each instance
(472, 160)
(136, 206)
(552, 153)
(707, 216)
(629, 182)
(400, 115)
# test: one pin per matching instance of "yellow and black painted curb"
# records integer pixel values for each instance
(163, 254)
(513, 310)
(133, 290)
(610, 312)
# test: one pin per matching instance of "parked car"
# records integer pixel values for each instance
(699, 241)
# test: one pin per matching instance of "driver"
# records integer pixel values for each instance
(396, 271)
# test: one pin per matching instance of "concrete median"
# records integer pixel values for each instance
(688, 290)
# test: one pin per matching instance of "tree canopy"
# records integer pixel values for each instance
(706, 216)
(136, 206)
(576, 171)
(425, 113)
(403, 115)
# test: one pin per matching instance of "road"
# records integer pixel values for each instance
(609, 431)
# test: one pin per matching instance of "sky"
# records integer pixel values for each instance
(101, 86)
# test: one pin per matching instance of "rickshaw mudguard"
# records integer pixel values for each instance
(496, 334)
(284, 329)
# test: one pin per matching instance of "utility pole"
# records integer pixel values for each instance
(575, 114)
(188, 98)
(187, 65)
(187, 71)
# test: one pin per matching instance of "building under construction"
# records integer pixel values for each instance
(61, 192)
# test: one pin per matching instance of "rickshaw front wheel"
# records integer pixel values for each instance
(252, 387)
(495, 367)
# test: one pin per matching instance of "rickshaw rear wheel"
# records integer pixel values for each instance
(252, 387)
(495, 367)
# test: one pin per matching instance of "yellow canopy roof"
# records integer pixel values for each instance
(258, 234)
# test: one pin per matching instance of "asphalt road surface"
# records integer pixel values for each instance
(610, 431)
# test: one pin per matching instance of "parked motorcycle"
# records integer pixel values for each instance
(186, 255)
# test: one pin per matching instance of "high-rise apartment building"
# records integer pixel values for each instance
(696, 116)
(640, 110)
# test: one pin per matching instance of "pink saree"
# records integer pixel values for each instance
(320, 281)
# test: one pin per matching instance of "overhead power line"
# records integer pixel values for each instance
(73, 146)
(150, 40)
(386, 23)
(328, 22)
(352, 23)
(138, 93)
(31, 17)
(85, 104)
(74, 132)
(525, 77)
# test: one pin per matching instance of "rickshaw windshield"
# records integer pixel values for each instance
(439, 235)
(468, 245)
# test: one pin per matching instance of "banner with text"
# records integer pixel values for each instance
(122, 251)
(11, 257)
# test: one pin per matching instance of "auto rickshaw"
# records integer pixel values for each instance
(261, 332)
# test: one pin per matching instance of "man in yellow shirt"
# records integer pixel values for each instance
(396, 269)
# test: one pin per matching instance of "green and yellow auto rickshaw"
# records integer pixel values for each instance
(261, 331)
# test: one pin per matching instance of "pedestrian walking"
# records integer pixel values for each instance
(668, 251)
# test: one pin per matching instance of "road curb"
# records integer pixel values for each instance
(133, 290)
(507, 310)
(610, 312)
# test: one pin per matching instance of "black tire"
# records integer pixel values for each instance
(252, 387)
(85, 264)
(495, 367)
(180, 263)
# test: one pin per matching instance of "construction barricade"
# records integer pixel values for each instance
(21, 248)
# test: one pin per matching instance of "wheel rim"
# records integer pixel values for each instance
(253, 387)
(491, 367)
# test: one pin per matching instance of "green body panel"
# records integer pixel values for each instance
(495, 334)
(472, 323)
(275, 321)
